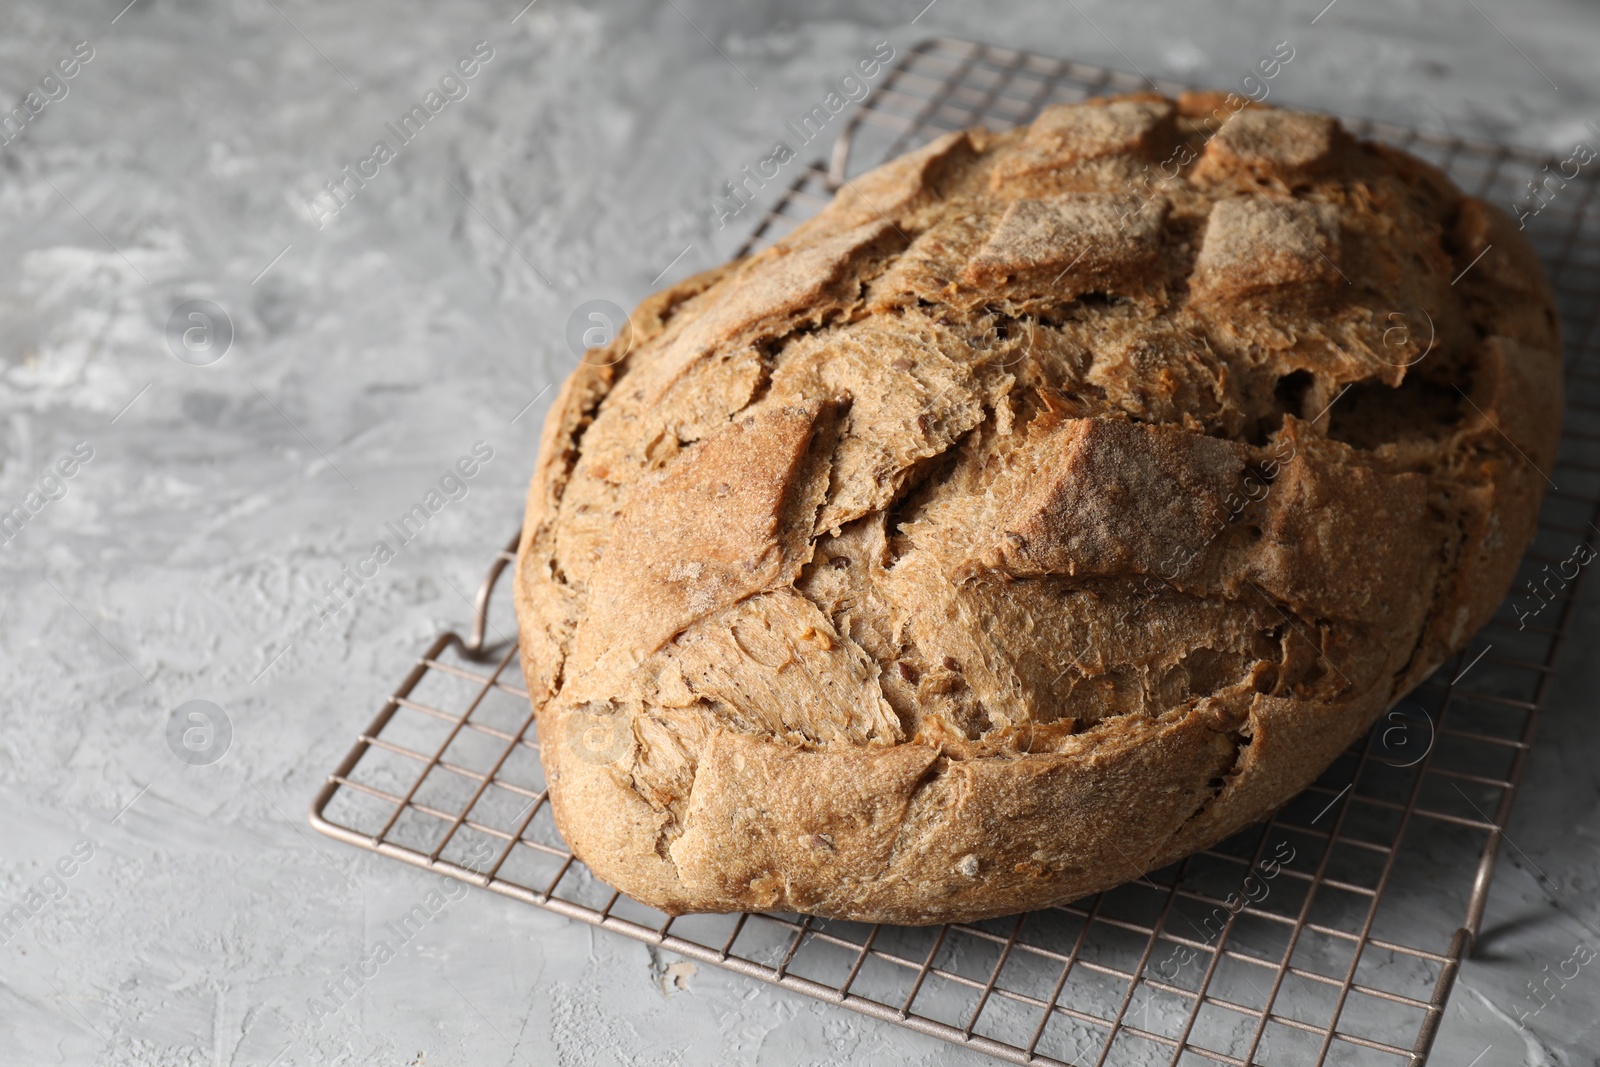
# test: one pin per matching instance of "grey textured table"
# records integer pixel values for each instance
(186, 915)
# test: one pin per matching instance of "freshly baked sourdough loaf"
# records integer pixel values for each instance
(1054, 504)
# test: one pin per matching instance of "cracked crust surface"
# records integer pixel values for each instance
(1054, 504)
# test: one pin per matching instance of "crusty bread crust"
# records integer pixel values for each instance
(1056, 503)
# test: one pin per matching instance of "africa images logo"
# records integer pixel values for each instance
(453, 86)
(738, 194)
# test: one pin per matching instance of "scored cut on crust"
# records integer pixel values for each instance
(1054, 504)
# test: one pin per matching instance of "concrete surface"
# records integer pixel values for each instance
(179, 563)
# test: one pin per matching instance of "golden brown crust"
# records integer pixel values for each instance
(1056, 503)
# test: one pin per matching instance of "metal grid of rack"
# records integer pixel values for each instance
(1369, 887)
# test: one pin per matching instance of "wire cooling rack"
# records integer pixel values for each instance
(1368, 888)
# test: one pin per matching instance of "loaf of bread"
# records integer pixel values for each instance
(1054, 504)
